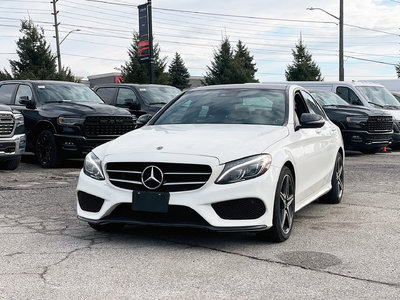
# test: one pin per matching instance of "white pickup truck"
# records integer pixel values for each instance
(12, 138)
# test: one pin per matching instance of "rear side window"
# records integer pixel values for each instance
(125, 94)
(106, 94)
(348, 95)
(6, 92)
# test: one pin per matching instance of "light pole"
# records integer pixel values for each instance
(58, 44)
(74, 30)
(340, 19)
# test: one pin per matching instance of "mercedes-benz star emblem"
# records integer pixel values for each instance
(152, 177)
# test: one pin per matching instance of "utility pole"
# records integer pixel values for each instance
(55, 12)
(151, 60)
(341, 61)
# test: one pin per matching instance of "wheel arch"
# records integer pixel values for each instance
(41, 126)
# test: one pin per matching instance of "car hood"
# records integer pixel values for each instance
(355, 110)
(83, 109)
(394, 112)
(226, 142)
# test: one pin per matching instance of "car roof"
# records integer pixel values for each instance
(274, 86)
(41, 82)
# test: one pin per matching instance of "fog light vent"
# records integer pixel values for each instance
(240, 209)
(89, 202)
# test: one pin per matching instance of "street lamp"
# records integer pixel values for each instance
(340, 18)
(58, 47)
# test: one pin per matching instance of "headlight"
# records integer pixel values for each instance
(19, 119)
(245, 168)
(92, 167)
(357, 119)
(69, 120)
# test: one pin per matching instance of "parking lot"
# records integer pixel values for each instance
(344, 251)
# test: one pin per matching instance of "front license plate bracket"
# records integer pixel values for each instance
(150, 201)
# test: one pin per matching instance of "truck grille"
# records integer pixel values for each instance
(107, 126)
(176, 177)
(6, 124)
(379, 123)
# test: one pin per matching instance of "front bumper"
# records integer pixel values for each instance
(73, 145)
(199, 202)
(360, 140)
(13, 146)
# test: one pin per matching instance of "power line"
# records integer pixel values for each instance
(371, 60)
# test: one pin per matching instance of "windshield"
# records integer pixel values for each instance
(378, 95)
(58, 92)
(397, 96)
(325, 98)
(158, 94)
(227, 106)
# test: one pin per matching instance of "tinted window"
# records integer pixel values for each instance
(348, 95)
(58, 92)
(106, 94)
(124, 94)
(6, 92)
(157, 94)
(227, 106)
(23, 91)
(313, 107)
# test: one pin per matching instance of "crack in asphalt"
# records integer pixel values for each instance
(278, 262)
(372, 206)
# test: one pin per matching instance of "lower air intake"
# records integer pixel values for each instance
(240, 209)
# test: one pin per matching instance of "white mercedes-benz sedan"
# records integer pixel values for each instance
(228, 158)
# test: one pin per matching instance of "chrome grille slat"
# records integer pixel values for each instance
(176, 177)
(7, 124)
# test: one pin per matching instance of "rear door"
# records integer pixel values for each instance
(107, 94)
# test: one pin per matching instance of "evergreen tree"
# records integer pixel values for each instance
(135, 72)
(223, 69)
(247, 69)
(4, 75)
(178, 73)
(303, 67)
(398, 70)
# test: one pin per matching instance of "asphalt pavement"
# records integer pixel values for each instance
(344, 251)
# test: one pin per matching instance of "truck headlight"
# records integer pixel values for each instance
(245, 168)
(92, 167)
(356, 119)
(69, 120)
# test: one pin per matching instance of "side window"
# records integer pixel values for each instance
(23, 91)
(106, 94)
(6, 93)
(299, 106)
(124, 94)
(348, 95)
(312, 105)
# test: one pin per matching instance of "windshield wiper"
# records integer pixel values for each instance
(392, 106)
(376, 104)
(155, 103)
(57, 101)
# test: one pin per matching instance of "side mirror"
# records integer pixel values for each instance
(24, 100)
(311, 121)
(132, 104)
(143, 120)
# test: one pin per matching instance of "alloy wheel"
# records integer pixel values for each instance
(339, 175)
(287, 204)
(44, 149)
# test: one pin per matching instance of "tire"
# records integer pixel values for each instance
(46, 150)
(335, 195)
(12, 164)
(371, 151)
(108, 227)
(284, 207)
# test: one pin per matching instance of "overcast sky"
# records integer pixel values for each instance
(106, 31)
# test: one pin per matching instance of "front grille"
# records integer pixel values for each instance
(176, 214)
(107, 125)
(6, 124)
(177, 177)
(379, 123)
(240, 209)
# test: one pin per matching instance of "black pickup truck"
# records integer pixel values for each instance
(63, 119)
(12, 137)
(363, 129)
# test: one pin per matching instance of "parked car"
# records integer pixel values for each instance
(363, 129)
(63, 119)
(361, 93)
(226, 158)
(396, 95)
(139, 99)
(12, 137)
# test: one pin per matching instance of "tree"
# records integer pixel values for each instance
(4, 75)
(135, 72)
(35, 58)
(247, 69)
(303, 67)
(398, 70)
(178, 73)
